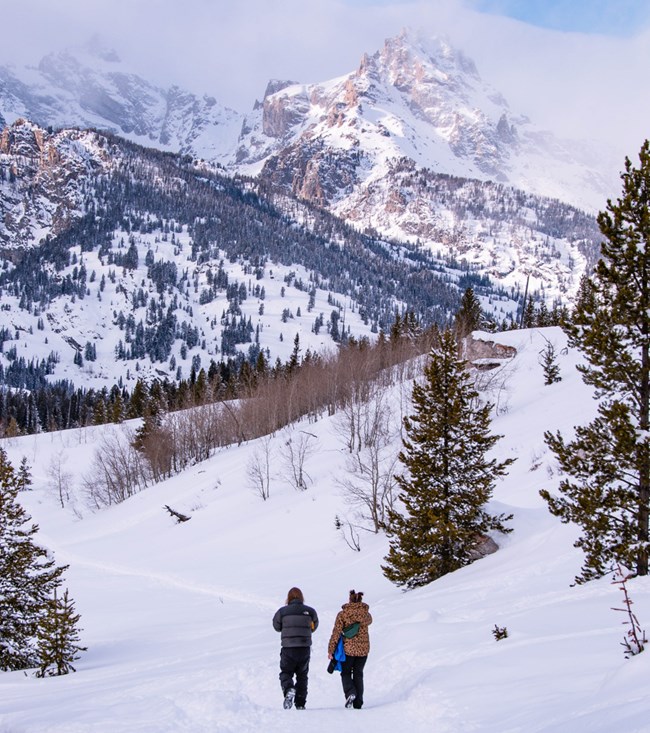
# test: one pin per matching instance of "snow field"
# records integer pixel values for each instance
(177, 617)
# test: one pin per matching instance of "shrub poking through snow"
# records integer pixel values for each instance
(634, 640)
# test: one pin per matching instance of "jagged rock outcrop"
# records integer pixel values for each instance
(40, 190)
(485, 354)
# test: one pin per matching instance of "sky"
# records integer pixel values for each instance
(623, 18)
(565, 63)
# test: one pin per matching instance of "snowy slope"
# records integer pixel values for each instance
(177, 617)
(70, 325)
(54, 177)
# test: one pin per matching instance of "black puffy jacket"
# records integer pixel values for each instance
(295, 622)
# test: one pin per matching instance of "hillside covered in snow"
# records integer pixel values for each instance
(177, 616)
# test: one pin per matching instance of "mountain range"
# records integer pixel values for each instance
(390, 188)
(89, 87)
(416, 98)
(137, 262)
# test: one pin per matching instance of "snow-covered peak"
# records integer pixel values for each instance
(93, 56)
(89, 86)
(420, 98)
(99, 48)
(412, 54)
(277, 85)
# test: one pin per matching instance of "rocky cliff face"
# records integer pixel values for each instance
(41, 182)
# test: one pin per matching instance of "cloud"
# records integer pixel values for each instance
(230, 49)
(576, 84)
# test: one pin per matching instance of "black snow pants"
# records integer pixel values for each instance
(352, 679)
(295, 661)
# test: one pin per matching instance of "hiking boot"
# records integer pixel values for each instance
(300, 707)
(350, 700)
(288, 698)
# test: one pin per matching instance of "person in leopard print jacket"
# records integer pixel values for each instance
(356, 648)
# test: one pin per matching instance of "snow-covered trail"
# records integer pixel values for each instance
(177, 617)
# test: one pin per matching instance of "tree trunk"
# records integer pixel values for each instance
(644, 467)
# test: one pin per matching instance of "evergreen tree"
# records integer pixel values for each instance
(58, 637)
(448, 479)
(543, 317)
(529, 318)
(411, 326)
(99, 412)
(28, 577)
(608, 462)
(548, 360)
(116, 409)
(469, 314)
(396, 329)
(24, 475)
(139, 400)
(294, 361)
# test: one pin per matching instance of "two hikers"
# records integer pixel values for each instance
(296, 621)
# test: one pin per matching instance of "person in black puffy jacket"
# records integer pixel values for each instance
(295, 621)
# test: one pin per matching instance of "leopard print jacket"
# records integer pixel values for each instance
(359, 645)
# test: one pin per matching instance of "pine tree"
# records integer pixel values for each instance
(548, 361)
(396, 329)
(608, 463)
(58, 637)
(448, 479)
(542, 317)
(294, 361)
(28, 577)
(469, 315)
(24, 475)
(529, 319)
(139, 401)
(116, 409)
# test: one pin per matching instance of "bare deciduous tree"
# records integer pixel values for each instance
(258, 469)
(59, 479)
(118, 470)
(492, 385)
(300, 445)
(349, 533)
(369, 482)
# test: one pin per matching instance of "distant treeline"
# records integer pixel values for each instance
(29, 403)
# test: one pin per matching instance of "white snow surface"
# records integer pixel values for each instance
(177, 617)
